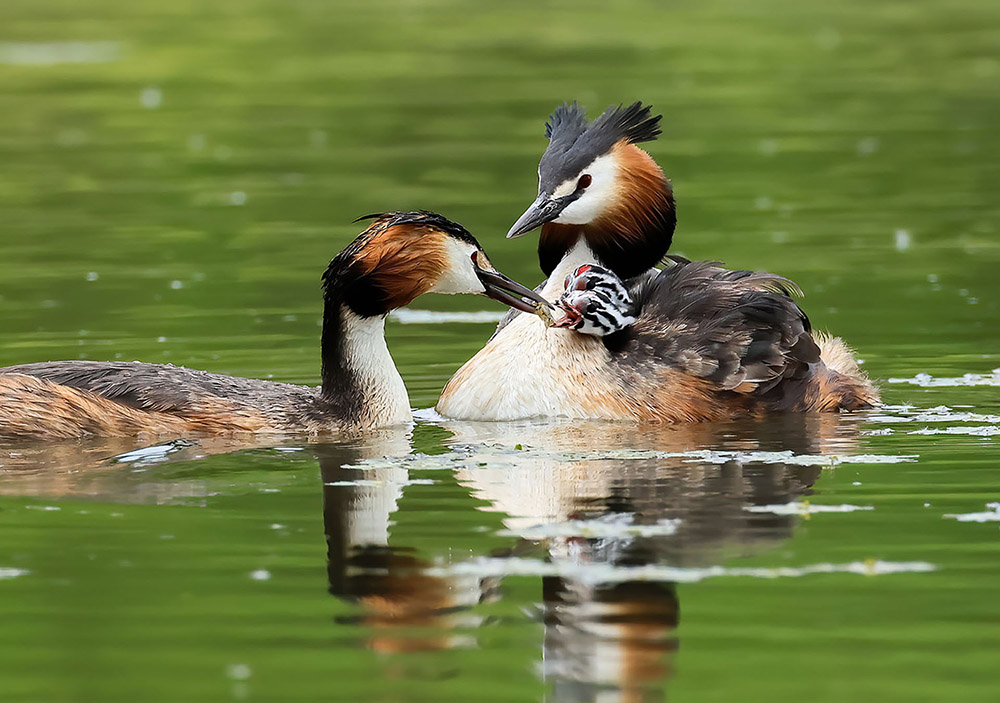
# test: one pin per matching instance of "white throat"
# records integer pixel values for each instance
(528, 370)
(366, 356)
(578, 255)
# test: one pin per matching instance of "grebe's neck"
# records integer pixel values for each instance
(359, 377)
(579, 253)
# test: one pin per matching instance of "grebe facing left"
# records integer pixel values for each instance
(694, 341)
(400, 256)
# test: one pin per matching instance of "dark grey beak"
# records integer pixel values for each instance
(510, 292)
(544, 209)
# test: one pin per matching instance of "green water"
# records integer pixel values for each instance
(174, 178)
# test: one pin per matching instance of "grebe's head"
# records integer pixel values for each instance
(403, 255)
(594, 181)
(595, 302)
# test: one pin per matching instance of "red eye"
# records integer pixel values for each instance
(582, 270)
(585, 180)
(475, 257)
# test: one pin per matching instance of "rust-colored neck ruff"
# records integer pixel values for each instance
(634, 232)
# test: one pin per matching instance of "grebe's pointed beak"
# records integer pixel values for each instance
(544, 209)
(510, 292)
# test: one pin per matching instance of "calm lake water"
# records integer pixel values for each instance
(174, 178)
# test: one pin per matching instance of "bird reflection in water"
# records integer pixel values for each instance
(403, 608)
(578, 500)
(609, 632)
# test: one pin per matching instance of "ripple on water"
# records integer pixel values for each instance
(805, 508)
(925, 380)
(613, 526)
(992, 514)
(470, 457)
(406, 316)
(598, 573)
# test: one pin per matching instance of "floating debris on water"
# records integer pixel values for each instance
(939, 414)
(925, 380)
(473, 456)
(599, 574)
(978, 431)
(806, 508)
(148, 456)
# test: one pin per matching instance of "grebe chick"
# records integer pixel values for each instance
(708, 343)
(594, 302)
(400, 256)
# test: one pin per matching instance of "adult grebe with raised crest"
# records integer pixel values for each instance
(706, 342)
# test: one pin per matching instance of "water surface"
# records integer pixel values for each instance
(175, 178)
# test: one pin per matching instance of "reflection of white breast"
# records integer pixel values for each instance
(529, 370)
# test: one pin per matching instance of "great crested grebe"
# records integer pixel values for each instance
(400, 256)
(706, 343)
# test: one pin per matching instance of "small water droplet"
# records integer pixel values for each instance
(867, 146)
(239, 672)
(317, 138)
(902, 240)
(768, 147)
(151, 97)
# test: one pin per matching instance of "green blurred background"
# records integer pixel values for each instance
(174, 177)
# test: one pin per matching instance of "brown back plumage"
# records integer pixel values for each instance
(740, 332)
(80, 398)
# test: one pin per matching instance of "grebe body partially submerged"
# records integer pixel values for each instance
(706, 342)
(399, 257)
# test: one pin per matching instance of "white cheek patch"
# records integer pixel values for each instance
(460, 275)
(600, 195)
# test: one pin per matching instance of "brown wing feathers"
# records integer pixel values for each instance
(740, 330)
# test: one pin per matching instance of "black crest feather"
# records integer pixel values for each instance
(573, 143)
(566, 123)
(634, 123)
